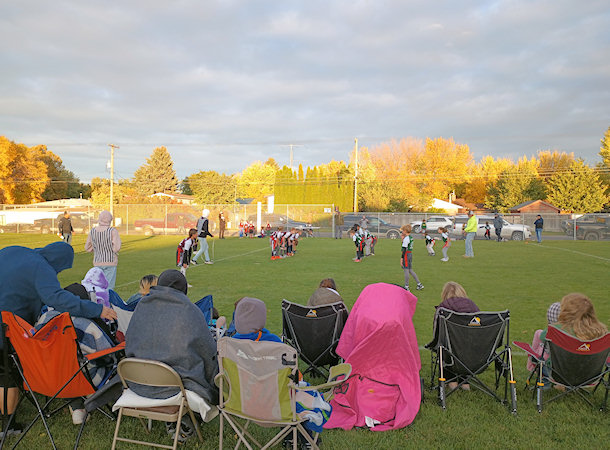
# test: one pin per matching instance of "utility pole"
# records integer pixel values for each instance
(356, 176)
(112, 147)
(292, 154)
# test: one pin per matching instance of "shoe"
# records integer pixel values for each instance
(193, 262)
(444, 259)
(357, 260)
(419, 286)
(465, 387)
(209, 262)
(453, 385)
(78, 416)
(187, 430)
(407, 287)
(189, 285)
(14, 430)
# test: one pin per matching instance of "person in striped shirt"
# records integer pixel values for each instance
(105, 243)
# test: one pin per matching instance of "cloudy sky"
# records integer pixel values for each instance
(225, 83)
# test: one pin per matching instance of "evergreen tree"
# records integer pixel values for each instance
(516, 185)
(157, 175)
(578, 190)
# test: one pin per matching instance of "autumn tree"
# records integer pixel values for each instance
(62, 182)
(23, 176)
(516, 185)
(157, 174)
(212, 188)
(480, 177)
(123, 192)
(578, 189)
(256, 181)
(604, 150)
(553, 162)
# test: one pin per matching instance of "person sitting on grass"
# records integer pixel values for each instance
(250, 318)
(454, 298)
(326, 294)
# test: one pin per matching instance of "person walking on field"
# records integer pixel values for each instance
(105, 243)
(498, 226)
(222, 224)
(64, 228)
(470, 231)
(539, 223)
(203, 233)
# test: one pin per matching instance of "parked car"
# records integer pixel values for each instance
(173, 223)
(515, 232)
(591, 227)
(375, 225)
(276, 220)
(433, 223)
(81, 222)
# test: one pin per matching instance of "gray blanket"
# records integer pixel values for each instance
(167, 327)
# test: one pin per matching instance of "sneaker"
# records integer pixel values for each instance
(193, 262)
(189, 285)
(209, 262)
(78, 416)
(357, 260)
(407, 287)
(453, 385)
(465, 387)
(444, 259)
(187, 430)
(419, 286)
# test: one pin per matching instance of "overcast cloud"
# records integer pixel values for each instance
(225, 83)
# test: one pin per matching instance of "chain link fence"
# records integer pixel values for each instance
(313, 220)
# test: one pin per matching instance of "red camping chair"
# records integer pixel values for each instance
(50, 363)
(575, 364)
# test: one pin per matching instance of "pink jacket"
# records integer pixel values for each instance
(379, 342)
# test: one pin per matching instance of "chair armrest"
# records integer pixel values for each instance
(338, 374)
(108, 351)
(527, 348)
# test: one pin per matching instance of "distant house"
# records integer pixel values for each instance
(180, 198)
(450, 208)
(535, 206)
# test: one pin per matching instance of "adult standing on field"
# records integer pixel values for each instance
(539, 223)
(498, 223)
(65, 229)
(222, 223)
(203, 233)
(470, 231)
(105, 243)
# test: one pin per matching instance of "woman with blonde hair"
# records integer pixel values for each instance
(146, 283)
(454, 297)
(577, 317)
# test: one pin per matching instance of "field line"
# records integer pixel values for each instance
(577, 252)
(239, 255)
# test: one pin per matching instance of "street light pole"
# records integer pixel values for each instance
(112, 147)
(356, 176)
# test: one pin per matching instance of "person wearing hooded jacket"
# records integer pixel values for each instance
(29, 280)
(203, 233)
(104, 241)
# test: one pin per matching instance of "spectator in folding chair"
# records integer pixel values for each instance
(29, 280)
(552, 316)
(325, 294)
(167, 327)
(250, 318)
(454, 298)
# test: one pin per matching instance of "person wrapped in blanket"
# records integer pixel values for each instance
(93, 335)
(250, 318)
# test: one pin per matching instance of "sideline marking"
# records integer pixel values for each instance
(201, 264)
(577, 252)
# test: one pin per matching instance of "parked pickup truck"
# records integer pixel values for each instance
(591, 227)
(173, 223)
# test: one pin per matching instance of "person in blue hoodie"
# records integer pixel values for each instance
(250, 318)
(28, 278)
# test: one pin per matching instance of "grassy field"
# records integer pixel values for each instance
(522, 277)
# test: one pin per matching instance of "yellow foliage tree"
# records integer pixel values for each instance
(23, 176)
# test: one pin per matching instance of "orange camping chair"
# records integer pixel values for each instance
(48, 361)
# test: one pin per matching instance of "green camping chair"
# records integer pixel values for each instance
(256, 382)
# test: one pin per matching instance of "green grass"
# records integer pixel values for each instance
(522, 277)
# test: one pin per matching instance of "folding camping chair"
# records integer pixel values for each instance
(206, 305)
(575, 364)
(158, 374)
(314, 332)
(465, 345)
(50, 363)
(256, 382)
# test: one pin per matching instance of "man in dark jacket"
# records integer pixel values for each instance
(28, 278)
(65, 229)
(539, 224)
(498, 226)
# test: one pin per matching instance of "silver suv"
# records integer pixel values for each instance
(433, 223)
(516, 232)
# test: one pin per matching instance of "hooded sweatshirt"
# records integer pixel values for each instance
(104, 241)
(29, 280)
